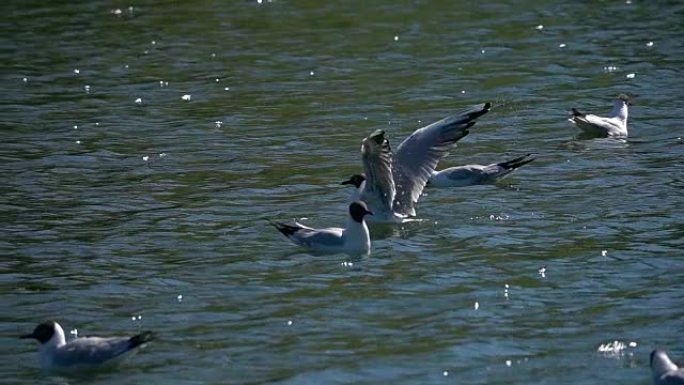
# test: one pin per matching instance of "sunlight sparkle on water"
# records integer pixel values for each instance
(649, 44)
(445, 373)
(289, 323)
(186, 97)
(136, 317)
(561, 45)
(630, 76)
(86, 88)
(77, 71)
(138, 101)
(146, 158)
(74, 332)
(179, 298)
(476, 305)
(539, 27)
(542, 271)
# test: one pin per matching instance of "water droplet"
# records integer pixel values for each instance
(561, 45)
(218, 80)
(649, 44)
(482, 51)
(97, 124)
(162, 155)
(463, 91)
(289, 323)
(154, 42)
(186, 97)
(445, 373)
(77, 71)
(604, 253)
(226, 89)
(78, 142)
(179, 298)
(539, 27)
(311, 73)
(631, 76)
(508, 363)
(396, 37)
(25, 80)
(75, 127)
(145, 158)
(86, 88)
(476, 305)
(138, 101)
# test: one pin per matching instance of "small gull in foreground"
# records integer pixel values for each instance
(353, 240)
(665, 372)
(614, 125)
(82, 353)
(475, 174)
(394, 182)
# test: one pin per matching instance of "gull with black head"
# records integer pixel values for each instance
(393, 182)
(353, 239)
(82, 353)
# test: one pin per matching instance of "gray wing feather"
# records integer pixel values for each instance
(92, 350)
(417, 156)
(380, 190)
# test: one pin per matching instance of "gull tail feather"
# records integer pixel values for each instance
(517, 162)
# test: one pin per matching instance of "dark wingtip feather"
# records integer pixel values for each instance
(517, 162)
(140, 339)
(575, 112)
(284, 228)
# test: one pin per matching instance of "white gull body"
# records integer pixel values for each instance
(476, 174)
(665, 372)
(613, 126)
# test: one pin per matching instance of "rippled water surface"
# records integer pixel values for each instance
(145, 148)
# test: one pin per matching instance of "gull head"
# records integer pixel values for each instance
(358, 210)
(624, 99)
(375, 143)
(43, 332)
(356, 180)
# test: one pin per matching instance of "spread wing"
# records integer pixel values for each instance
(379, 190)
(417, 156)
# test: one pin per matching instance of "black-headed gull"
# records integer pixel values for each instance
(614, 125)
(475, 174)
(85, 352)
(665, 372)
(353, 239)
(395, 181)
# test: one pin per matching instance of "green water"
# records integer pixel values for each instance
(118, 216)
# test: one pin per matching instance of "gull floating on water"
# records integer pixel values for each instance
(353, 240)
(395, 181)
(474, 174)
(665, 372)
(82, 353)
(613, 126)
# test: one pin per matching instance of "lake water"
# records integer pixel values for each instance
(127, 205)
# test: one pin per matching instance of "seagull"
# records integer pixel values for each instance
(613, 126)
(474, 174)
(353, 240)
(665, 372)
(394, 182)
(82, 353)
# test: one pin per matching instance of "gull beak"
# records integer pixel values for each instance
(368, 212)
(27, 336)
(348, 181)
